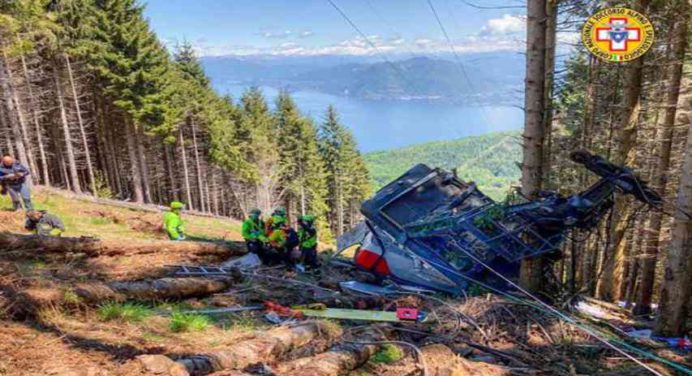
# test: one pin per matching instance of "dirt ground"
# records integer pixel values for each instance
(46, 328)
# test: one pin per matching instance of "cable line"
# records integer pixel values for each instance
(459, 65)
(472, 5)
(374, 47)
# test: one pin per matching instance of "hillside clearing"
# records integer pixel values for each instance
(125, 313)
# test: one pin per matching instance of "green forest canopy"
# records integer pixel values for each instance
(489, 160)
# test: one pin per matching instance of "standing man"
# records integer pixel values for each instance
(307, 235)
(253, 233)
(173, 223)
(13, 180)
(43, 223)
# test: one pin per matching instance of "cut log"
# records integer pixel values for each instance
(157, 289)
(267, 347)
(33, 245)
(31, 300)
(441, 361)
(340, 360)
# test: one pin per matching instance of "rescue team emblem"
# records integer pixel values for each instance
(617, 34)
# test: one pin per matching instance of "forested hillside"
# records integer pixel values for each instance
(489, 160)
(93, 102)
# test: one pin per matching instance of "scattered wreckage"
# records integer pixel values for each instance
(428, 229)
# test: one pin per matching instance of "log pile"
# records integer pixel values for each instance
(265, 348)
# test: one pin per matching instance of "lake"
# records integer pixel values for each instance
(381, 125)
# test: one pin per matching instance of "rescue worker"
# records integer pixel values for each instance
(43, 223)
(278, 214)
(307, 235)
(276, 240)
(253, 233)
(13, 180)
(173, 223)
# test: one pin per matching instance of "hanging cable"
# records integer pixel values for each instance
(457, 60)
(488, 7)
(381, 53)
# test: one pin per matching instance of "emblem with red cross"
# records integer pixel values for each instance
(618, 34)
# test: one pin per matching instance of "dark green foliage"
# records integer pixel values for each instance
(347, 176)
(489, 160)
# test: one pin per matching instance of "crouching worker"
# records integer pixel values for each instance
(307, 235)
(43, 223)
(253, 233)
(173, 222)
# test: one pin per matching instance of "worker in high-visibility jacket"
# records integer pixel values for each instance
(253, 233)
(307, 235)
(279, 214)
(276, 240)
(282, 240)
(173, 222)
(43, 223)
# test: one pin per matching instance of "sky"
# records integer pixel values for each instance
(315, 27)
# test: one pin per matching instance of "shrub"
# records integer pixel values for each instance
(182, 322)
(128, 312)
(388, 354)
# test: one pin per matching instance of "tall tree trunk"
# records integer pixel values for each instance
(663, 166)
(214, 192)
(14, 113)
(198, 166)
(339, 205)
(677, 274)
(186, 172)
(142, 159)
(130, 135)
(69, 150)
(37, 126)
(625, 126)
(550, 40)
(531, 274)
(172, 186)
(80, 123)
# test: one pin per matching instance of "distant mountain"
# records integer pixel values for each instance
(495, 78)
(489, 160)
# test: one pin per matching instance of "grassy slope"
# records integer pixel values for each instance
(83, 218)
(489, 160)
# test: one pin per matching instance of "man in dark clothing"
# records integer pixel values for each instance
(13, 178)
(43, 223)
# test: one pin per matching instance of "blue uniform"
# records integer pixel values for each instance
(14, 180)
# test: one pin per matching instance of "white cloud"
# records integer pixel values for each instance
(305, 34)
(276, 34)
(481, 42)
(507, 24)
(397, 41)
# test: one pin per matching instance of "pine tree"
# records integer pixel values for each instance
(347, 178)
(258, 139)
